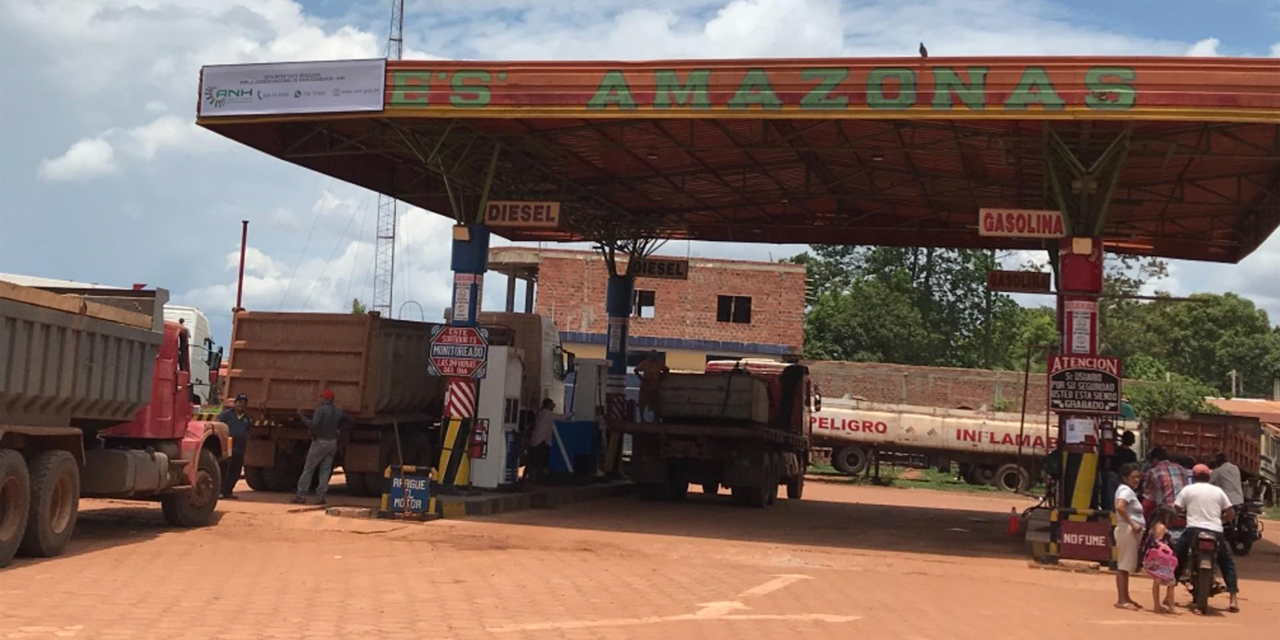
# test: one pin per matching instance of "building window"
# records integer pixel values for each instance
(642, 303)
(735, 309)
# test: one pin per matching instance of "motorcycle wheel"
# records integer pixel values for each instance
(1241, 547)
(1202, 589)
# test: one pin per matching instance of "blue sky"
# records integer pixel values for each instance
(105, 179)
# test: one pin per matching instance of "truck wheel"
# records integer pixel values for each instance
(15, 503)
(795, 488)
(652, 491)
(984, 475)
(711, 488)
(355, 483)
(257, 478)
(55, 500)
(850, 460)
(772, 494)
(1012, 478)
(194, 507)
(754, 497)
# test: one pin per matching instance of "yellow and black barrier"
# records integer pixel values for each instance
(455, 461)
(406, 493)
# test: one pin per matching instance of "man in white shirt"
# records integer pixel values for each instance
(1207, 507)
(1227, 477)
(538, 456)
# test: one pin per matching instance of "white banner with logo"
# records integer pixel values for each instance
(292, 87)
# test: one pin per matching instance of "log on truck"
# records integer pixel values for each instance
(95, 402)
(740, 424)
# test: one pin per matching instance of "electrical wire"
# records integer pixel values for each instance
(333, 254)
(302, 254)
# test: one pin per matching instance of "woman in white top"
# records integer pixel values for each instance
(1129, 527)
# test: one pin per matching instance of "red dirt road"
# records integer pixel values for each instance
(847, 561)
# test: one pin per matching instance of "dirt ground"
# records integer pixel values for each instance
(849, 561)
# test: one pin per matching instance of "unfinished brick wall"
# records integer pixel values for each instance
(929, 386)
(571, 289)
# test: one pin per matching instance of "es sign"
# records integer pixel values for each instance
(1020, 223)
(1018, 281)
(524, 215)
(662, 268)
(1084, 384)
(1085, 541)
(458, 352)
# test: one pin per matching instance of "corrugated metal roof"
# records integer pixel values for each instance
(1264, 410)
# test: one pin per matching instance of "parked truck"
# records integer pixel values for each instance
(1203, 436)
(95, 402)
(984, 445)
(377, 369)
(740, 424)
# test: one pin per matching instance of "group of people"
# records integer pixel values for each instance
(1148, 503)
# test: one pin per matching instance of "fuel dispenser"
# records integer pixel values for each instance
(497, 420)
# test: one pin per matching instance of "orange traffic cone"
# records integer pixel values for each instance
(1014, 522)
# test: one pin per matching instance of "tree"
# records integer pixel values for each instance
(1176, 395)
(358, 307)
(872, 321)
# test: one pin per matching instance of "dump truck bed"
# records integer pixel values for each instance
(376, 367)
(1203, 436)
(66, 360)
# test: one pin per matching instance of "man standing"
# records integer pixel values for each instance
(324, 424)
(1207, 507)
(539, 456)
(237, 420)
(651, 372)
(1226, 476)
(1162, 482)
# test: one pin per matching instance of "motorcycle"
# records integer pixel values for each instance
(1199, 568)
(1245, 529)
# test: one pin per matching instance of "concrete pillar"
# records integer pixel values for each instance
(528, 295)
(1080, 268)
(511, 292)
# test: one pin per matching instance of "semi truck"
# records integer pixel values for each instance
(984, 445)
(95, 402)
(377, 369)
(740, 424)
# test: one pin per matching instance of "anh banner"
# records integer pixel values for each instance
(292, 87)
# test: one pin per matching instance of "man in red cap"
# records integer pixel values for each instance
(1207, 507)
(324, 423)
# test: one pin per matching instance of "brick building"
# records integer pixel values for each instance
(724, 309)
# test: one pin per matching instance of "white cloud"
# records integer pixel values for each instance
(1205, 48)
(170, 133)
(88, 158)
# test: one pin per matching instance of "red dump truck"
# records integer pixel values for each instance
(740, 424)
(95, 395)
(1203, 436)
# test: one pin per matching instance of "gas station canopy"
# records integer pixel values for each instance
(882, 151)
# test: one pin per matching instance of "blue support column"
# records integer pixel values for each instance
(470, 260)
(618, 306)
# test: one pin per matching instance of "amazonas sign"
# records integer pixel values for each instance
(817, 88)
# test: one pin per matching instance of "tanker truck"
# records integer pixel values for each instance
(989, 448)
(95, 391)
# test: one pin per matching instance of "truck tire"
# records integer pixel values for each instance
(15, 503)
(795, 488)
(711, 488)
(355, 483)
(55, 501)
(850, 460)
(754, 497)
(772, 494)
(652, 492)
(984, 475)
(194, 507)
(1012, 478)
(257, 478)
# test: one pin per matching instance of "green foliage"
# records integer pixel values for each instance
(358, 307)
(1176, 395)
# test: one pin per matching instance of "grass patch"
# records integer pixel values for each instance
(1271, 513)
(908, 478)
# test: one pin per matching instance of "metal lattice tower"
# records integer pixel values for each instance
(384, 261)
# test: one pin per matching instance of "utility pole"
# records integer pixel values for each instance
(384, 261)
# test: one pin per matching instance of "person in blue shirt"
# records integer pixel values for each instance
(237, 420)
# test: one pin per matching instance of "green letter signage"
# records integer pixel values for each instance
(410, 88)
(1110, 87)
(473, 95)
(613, 90)
(829, 80)
(1035, 86)
(693, 92)
(755, 89)
(947, 82)
(906, 80)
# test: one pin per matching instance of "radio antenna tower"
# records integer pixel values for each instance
(384, 261)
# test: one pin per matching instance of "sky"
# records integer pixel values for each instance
(104, 178)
